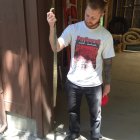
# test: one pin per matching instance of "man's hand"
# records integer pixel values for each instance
(51, 18)
(106, 90)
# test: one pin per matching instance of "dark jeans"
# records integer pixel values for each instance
(93, 96)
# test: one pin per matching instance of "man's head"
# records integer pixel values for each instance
(94, 11)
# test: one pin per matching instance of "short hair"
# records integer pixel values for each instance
(97, 4)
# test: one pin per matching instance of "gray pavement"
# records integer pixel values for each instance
(17, 135)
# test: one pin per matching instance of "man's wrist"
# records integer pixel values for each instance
(51, 28)
(107, 82)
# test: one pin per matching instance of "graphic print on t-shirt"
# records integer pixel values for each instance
(86, 51)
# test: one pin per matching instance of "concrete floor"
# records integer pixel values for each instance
(120, 118)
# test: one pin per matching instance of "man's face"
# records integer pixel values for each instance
(92, 17)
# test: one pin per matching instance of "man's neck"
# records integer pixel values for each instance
(93, 27)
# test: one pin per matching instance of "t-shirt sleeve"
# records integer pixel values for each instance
(108, 50)
(66, 36)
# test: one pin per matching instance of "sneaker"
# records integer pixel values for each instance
(101, 136)
(72, 137)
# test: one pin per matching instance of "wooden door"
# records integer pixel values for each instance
(13, 49)
(129, 10)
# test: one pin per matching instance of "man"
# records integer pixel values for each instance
(91, 47)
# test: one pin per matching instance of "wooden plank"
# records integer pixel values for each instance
(13, 46)
(46, 64)
(106, 16)
(34, 63)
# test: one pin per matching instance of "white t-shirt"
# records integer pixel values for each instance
(88, 49)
